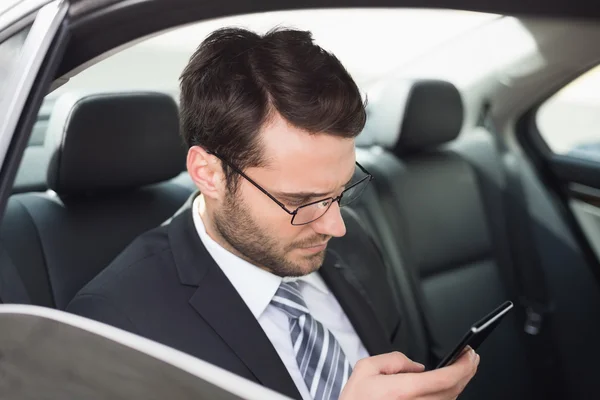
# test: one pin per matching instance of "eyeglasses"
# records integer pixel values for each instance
(310, 212)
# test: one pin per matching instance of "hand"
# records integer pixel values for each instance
(393, 376)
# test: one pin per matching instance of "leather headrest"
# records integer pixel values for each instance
(433, 115)
(410, 116)
(110, 141)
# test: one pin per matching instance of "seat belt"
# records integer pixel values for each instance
(527, 268)
(12, 289)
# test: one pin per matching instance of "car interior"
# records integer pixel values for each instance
(483, 190)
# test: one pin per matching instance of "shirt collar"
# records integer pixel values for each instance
(314, 279)
(255, 285)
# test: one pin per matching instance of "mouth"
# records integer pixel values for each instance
(315, 248)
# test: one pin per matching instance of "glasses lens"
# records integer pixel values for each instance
(311, 212)
(354, 192)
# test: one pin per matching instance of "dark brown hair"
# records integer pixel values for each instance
(237, 78)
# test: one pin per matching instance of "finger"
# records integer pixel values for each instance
(467, 362)
(471, 360)
(465, 350)
(448, 379)
(395, 362)
(389, 363)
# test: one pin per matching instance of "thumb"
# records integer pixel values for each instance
(389, 363)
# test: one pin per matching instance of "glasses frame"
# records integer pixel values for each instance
(293, 213)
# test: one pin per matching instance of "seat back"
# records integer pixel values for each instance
(435, 209)
(115, 172)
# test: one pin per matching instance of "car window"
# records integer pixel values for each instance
(10, 50)
(569, 121)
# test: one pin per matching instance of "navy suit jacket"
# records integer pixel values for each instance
(165, 286)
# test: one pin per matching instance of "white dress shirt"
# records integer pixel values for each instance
(257, 287)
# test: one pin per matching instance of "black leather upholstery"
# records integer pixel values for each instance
(441, 240)
(19, 236)
(109, 141)
(375, 220)
(433, 115)
(78, 239)
(111, 169)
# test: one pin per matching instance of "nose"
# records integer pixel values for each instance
(331, 224)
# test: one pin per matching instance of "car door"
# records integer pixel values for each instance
(562, 136)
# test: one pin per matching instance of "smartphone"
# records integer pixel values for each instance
(478, 333)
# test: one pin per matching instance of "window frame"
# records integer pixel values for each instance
(22, 75)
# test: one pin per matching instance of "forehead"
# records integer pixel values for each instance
(307, 160)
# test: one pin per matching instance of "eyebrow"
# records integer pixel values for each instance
(305, 195)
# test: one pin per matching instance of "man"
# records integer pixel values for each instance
(241, 278)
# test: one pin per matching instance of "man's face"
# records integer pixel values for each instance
(302, 168)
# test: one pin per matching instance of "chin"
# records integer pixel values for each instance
(309, 265)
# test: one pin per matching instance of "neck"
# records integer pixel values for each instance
(209, 226)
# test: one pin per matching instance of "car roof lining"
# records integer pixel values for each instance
(581, 9)
(124, 21)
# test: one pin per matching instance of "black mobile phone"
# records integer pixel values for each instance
(478, 333)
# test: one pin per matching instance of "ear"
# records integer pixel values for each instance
(206, 172)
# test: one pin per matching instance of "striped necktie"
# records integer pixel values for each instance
(320, 358)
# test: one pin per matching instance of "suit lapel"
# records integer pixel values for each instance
(220, 305)
(352, 298)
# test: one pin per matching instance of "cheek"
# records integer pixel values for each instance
(271, 218)
(277, 223)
